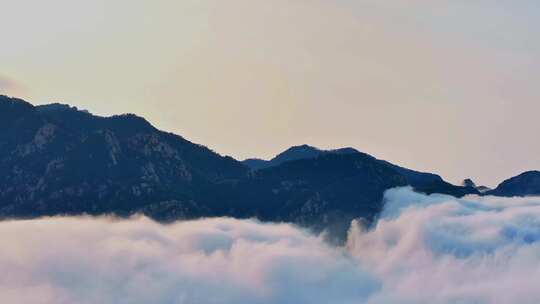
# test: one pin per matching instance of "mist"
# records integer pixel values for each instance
(422, 249)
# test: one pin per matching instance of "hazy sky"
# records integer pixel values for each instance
(449, 86)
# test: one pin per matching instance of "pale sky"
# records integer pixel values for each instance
(447, 86)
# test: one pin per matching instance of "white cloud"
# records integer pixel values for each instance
(424, 249)
(439, 249)
(85, 260)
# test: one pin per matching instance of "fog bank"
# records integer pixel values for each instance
(423, 249)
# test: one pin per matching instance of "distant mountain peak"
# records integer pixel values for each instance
(58, 107)
(524, 184)
(532, 173)
(303, 151)
(468, 183)
(297, 152)
(303, 146)
(300, 149)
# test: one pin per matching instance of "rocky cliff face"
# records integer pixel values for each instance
(56, 159)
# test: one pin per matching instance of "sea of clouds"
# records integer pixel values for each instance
(423, 249)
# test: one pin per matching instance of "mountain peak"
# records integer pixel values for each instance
(303, 151)
(468, 183)
(303, 147)
(58, 107)
(12, 102)
(57, 159)
(526, 183)
(131, 120)
(297, 152)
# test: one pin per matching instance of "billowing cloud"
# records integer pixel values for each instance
(439, 249)
(424, 249)
(85, 260)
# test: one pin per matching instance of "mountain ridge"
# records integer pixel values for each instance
(57, 159)
(294, 153)
(524, 184)
(420, 181)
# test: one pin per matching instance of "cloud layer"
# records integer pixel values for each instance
(438, 249)
(424, 249)
(84, 260)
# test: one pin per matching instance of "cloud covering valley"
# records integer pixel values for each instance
(423, 249)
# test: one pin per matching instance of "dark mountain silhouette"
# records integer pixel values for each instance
(57, 159)
(325, 192)
(431, 183)
(421, 181)
(256, 163)
(525, 184)
(293, 153)
(483, 189)
(470, 183)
